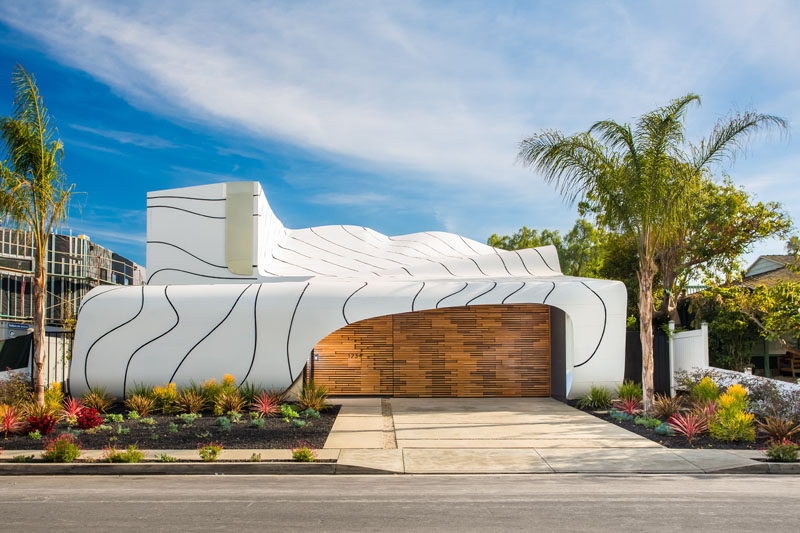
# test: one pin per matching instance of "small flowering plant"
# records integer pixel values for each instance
(304, 453)
(783, 451)
(63, 449)
(210, 451)
(89, 418)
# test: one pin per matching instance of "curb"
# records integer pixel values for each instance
(121, 469)
(762, 467)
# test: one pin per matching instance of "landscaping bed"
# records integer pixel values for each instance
(276, 433)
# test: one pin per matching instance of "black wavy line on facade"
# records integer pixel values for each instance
(89, 351)
(184, 210)
(513, 293)
(188, 198)
(344, 305)
(87, 300)
(415, 296)
(337, 255)
(304, 268)
(282, 247)
(407, 271)
(385, 250)
(466, 284)
(603, 333)
(469, 245)
(255, 336)
(481, 294)
(502, 261)
(457, 251)
(289, 333)
(354, 250)
(460, 253)
(189, 253)
(549, 292)
(436, 253)
(523, 263)
(543, 260)
(150, 279)
(127, 366)
(209, 333)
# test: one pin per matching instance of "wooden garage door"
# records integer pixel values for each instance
(493, 350)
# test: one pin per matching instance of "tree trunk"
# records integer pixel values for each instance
(646, 274)
(39, 277)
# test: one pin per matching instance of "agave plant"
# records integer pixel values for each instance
(70, 408)
(688, 424)
(13, 421)
(631, 406)
(265, 404)
(778, 429)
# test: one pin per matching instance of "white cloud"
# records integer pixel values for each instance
(437, 94)
(127, 137)
(360, 199)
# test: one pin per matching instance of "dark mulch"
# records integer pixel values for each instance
(676, 441)
(276, 434)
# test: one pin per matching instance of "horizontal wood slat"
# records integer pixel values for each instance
(492, 350)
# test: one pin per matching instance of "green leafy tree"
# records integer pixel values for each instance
(33, 192)
(639, 178)
(579, 251)
(718, 226)
(775, 310)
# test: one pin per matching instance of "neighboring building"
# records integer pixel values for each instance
(75, 265)
(770, 270)
(233, 291)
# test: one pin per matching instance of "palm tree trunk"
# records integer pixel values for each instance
(646, 274)
(40, 274)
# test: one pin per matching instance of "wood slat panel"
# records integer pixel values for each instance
(495, 350)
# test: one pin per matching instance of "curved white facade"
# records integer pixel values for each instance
(231, 290)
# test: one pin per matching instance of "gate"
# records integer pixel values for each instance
(661, 368)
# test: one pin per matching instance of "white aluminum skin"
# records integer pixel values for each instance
(196, 320)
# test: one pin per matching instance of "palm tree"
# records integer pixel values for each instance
(639, 179)
(33, 192)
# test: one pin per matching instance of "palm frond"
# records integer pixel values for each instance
(730, 135)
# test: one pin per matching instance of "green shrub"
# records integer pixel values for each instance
(53, 396)
(97, 398)
(122, 431)
(784, 451)
(304, 453)
(173, 427)
(62, 449)
(597, 398)
(629, 391)
(22, 459)
(154, 436)
(188, 418)
(647, 421)
(148, 421)
(131, 455)
(255, 458)
(164, 398)
(705, 390)
(299, 422)
(731, 422)
(164, 458)
(209, 452)
(250, 392)
(235, 416)
(15, 390)
(310, 413)
(313, 396)
(35, 435)
(133, 415)
(665, 429)
(114, 418)
(224, 423)
(257, 423)
(288, 412)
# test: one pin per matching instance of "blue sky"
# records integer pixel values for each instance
(400, 116)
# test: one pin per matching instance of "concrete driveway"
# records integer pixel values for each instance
(503, 423)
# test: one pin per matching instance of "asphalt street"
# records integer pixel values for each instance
(399, 503)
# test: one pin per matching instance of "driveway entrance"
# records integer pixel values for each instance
(503, 423)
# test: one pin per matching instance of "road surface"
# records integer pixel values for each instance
(398, 503)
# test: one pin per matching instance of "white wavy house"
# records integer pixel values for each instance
(231, 290)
